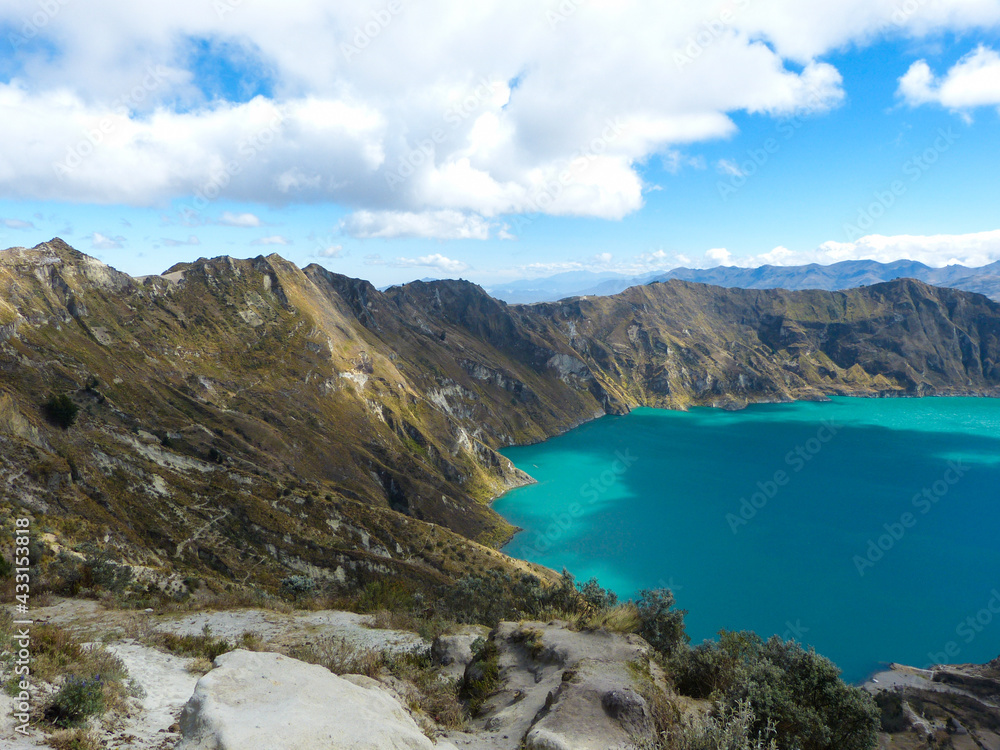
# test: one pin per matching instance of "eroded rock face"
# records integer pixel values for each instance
(566, 690)
(454, 652)
(266, 700)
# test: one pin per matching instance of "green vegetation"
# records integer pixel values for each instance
(61, 410)
(795, 691)
(77, 700)
(733, 729)
(482, 675)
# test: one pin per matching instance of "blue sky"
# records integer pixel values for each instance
(496, 141)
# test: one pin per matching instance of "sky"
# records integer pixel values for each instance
(502, 139)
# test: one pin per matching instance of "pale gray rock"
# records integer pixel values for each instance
(268, 700)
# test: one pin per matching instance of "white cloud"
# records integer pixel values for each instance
(17, 224)
(333, 251)
(728, 167)
(719, 256)
(442, 225)
(274, 239)
(974, 249)
(974, 81)
(99, 241)
(422, 120)
(229, 219)
(436, 261)
(191, 240)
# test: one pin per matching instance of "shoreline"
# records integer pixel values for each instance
(874, 673)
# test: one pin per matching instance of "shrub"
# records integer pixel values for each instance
(61, 410)
(340, 657)
(482, 678)
(594, 595)
(298, 586)
(795, 691)
(732, 729)
(204, 645)
(77, 700)
(660, 624)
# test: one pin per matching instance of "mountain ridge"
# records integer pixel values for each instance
(833, 277)
(249, 418)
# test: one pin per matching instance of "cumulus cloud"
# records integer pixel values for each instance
(99, 241)
(974, 81)
(436, 261)
(274, 239)
(229, 219)
(442, 225)
(333, 251)
(506, 112)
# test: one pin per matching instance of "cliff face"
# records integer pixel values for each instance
(249, 416)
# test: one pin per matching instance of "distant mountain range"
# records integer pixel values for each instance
(847, 274)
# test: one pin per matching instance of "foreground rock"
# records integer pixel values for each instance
(268, 700)
(560, 689)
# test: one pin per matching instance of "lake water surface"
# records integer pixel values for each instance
(868, 528)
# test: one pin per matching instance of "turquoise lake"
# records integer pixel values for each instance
(867, 528)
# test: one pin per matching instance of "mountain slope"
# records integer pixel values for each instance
(252, 418)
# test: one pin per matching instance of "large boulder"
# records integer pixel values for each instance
(268, 700)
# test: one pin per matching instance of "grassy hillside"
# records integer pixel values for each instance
(250, 419)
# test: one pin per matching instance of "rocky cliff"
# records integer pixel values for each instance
(252, 418)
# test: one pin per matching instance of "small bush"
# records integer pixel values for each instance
(340, 657)
(659, 623)
(732, 729)
(482, 678)
(61, 411)
(298, 586)
(76, 701)
(204, 646)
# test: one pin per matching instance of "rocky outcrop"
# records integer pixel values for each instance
(560, 689)
(267, 700)
(453, 652)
